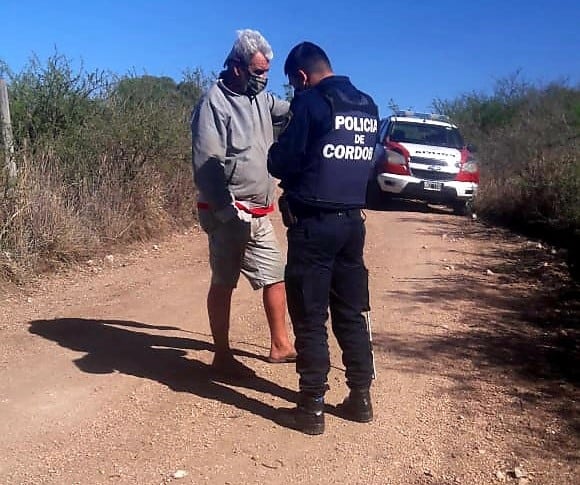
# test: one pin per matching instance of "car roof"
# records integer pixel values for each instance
(415, 117)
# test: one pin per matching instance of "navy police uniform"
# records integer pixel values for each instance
(323, 159)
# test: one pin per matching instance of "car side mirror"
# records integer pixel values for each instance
(471, 147)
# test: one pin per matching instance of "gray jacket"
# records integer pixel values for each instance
(231, 135)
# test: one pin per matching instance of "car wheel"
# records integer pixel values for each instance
(374, 195)
(462, 208)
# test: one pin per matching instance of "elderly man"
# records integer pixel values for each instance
(232, 130)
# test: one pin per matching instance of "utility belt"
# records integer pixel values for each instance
(291, 215)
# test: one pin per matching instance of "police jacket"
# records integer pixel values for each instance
(323, 158)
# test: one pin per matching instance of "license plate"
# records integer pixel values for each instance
(427, 185)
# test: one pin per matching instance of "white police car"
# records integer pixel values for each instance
(426, 159)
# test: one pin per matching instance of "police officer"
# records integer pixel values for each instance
(323, 159)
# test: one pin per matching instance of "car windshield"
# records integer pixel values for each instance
(425, 134)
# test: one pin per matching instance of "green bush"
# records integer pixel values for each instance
(528, 139)
(102, 160)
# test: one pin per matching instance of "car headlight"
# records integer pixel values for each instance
(471, 166)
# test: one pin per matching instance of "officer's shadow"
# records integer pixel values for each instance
(111, 346)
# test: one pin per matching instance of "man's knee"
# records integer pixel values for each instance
(277, 286)
(351, 288)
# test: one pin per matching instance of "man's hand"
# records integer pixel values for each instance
(244, 216)
(231, 213)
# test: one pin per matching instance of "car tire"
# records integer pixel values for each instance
(375, 195)
(462, 208)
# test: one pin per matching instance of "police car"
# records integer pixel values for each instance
(426, 158)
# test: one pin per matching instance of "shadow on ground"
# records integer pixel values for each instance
(129, 347)
(383, 203)
(520, 321)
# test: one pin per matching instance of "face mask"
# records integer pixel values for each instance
(256, 84)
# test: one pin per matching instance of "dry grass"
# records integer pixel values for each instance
(529, 151)
(102, 161)
(48, 222)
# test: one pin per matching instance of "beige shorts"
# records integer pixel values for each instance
(242, 247)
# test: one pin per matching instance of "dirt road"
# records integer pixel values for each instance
(104, 371)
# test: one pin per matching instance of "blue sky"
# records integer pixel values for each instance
(411, 51)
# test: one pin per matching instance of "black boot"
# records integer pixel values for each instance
(309, 414)
(357, 406)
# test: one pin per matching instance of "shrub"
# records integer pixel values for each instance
(528, 138)
(102, 160)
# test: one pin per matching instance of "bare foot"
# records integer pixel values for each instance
(226, 366)
(285, 356)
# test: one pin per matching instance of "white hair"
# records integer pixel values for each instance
(248, 43)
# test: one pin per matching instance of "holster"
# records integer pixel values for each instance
(288, 218)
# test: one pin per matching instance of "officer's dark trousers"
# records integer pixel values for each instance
(325, 268)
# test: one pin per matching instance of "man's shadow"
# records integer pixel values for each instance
(110, 348)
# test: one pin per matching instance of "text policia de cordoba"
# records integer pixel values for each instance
(357, 151)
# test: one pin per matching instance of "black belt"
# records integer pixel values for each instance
(302, 210)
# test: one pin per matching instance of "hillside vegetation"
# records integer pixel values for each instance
(528, 140)
(104, 160)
